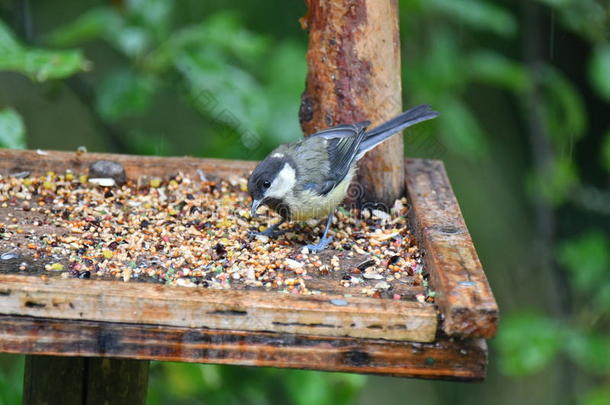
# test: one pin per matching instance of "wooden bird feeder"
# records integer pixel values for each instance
(102, 333)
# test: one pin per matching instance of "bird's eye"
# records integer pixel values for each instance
(266, 184)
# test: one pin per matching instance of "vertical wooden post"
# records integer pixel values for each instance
(354, 74)
(87, 381)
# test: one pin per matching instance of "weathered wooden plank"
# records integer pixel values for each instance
(86, 381)
(115, 381)
(53, 380)
(463, 294)
(112, 301)
(13, 161)
(353, 61)
(444, 359)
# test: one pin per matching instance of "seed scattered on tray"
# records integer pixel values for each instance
(196, 233)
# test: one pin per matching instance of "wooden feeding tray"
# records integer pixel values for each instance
(46, 309)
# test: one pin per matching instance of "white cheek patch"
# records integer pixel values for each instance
(283, 183)
(278, 155)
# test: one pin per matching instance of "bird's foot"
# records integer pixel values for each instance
(271, 232)
(323, 244)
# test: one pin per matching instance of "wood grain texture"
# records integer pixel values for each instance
(144, 303)
(52, 380)
(116, 381)
(353, 61)
(463, 294)
(12, 161)
(446, 358)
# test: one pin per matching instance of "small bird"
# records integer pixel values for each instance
(309, 178)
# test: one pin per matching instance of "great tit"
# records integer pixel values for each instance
(309, 178)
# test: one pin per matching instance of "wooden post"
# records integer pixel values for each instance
(86, 381)
(354, 75)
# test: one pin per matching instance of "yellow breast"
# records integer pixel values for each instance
(309, 205)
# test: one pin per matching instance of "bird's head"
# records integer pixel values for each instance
(272, 180)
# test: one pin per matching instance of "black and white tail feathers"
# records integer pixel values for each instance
(349, 142)
(379, 134)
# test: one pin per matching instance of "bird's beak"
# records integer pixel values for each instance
(255, 205)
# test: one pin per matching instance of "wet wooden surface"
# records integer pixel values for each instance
(463, 294)
(47, 325)
(444, 359)
(155, 304)
(144, 167)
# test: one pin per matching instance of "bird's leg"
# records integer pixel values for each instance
(271, 231)
(324, 241)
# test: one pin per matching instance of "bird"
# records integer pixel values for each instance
(309, 178)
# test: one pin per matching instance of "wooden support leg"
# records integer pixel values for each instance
(87, 381)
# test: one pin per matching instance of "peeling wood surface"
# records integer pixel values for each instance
(443, 359)
(353, 61)
(463, 294)
(12, 161)
(144, 303)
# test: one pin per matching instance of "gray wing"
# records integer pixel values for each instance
(341, 148)
(343, 151)
(341, 131)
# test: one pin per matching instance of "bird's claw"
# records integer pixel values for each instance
(323, 244)
(269, 232)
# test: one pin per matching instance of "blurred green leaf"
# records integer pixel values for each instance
(527, 343)
(556, 3)
(285, 69)
(222, 33)
(11, 379)
(443, 66)
(587, 18)
(602, 298)
(459, 129)
(478, 14)
(106, 23)
(41, 65)
(123, 93)
(154, 14)
(591, 351)
(133, 41)
(266, 386)
(12, 129)
(567, 115)
(226, 31)
(605, 156)
(224, 92)
(8, 42)
(597, 396)
(494, 68)
(315, 388)
(555, 183)
(38, 64)
(146, 143)
(93, 24)
(185, 379)
(599, 70)
(587, 257)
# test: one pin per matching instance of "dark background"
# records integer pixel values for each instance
(523, 88)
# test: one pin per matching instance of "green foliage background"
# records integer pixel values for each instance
(524, 92)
